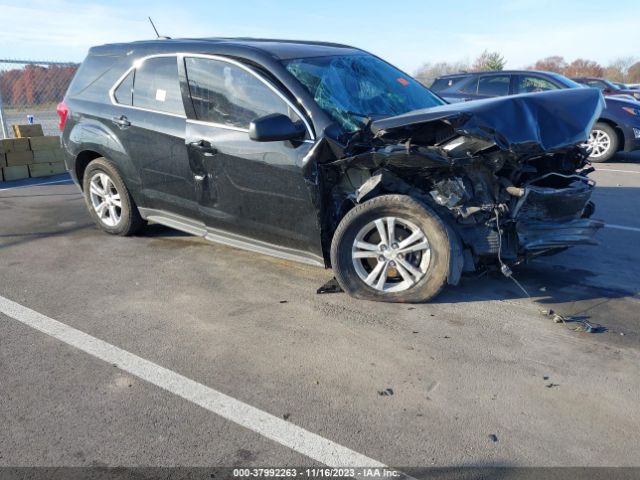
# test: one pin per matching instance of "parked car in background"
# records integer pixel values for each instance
(617, 129)
(326, 154)
(607, 87)
(620, 85)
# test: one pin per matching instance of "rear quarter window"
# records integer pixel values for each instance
(444, 83)
(124, 93)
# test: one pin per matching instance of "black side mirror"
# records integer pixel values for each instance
(275, 127)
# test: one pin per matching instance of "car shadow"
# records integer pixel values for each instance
(547, 284)
(625, 157)
(156, 230)
(23, 238)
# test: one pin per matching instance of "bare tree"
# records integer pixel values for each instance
(584, 68)
(618, 69)
(633, 74)
(428, 72)
(554, 63)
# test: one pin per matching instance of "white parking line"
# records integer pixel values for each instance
(622, 227)
(267, 425)
(64, 180)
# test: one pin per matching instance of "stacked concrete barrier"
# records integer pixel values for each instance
(30, 154)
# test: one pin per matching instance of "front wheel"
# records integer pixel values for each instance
(603, 141)
(391, 248)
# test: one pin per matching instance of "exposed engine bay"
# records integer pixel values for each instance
(508, 175)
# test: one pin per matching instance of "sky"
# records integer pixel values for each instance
(407, 33)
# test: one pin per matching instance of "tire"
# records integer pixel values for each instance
(430, 265)
(604, 141)
(112, 208)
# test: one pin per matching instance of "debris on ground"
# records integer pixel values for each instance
(583, 325)
(283, 301)
(286, 416)
(331, 286)
(551, 385)
(493, 437)
(385, 393)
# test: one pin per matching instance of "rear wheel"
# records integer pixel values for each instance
(391, 248)
(108, 200)
(603, 142)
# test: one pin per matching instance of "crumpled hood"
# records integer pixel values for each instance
(523, 124)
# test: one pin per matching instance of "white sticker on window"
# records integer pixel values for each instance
(161, 95)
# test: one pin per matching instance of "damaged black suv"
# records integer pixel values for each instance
(326, 154)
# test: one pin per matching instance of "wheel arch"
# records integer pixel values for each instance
(82, 161)
(456, 261)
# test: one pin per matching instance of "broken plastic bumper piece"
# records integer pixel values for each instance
(549, 235)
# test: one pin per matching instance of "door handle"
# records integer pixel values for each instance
(204, 147)
(121, 121)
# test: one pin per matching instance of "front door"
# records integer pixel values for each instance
(255, 190)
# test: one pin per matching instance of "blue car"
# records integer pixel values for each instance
(617, 129)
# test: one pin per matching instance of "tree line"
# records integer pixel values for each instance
(623, 69)
(35, 84)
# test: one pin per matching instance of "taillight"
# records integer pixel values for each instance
(63, 111)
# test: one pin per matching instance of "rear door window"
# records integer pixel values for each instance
(226, 94)
(156, 86)
(494, 85)
(532, 84)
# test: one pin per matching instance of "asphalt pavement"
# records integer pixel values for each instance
(173, 351)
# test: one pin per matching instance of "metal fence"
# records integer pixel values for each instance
(32, 89)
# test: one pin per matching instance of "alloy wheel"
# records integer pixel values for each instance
(599, 142)
(391, 254)
(105, 199)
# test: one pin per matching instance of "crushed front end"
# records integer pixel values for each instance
(508, 175)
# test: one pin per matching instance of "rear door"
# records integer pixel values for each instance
(152, 128)
(256, 190)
